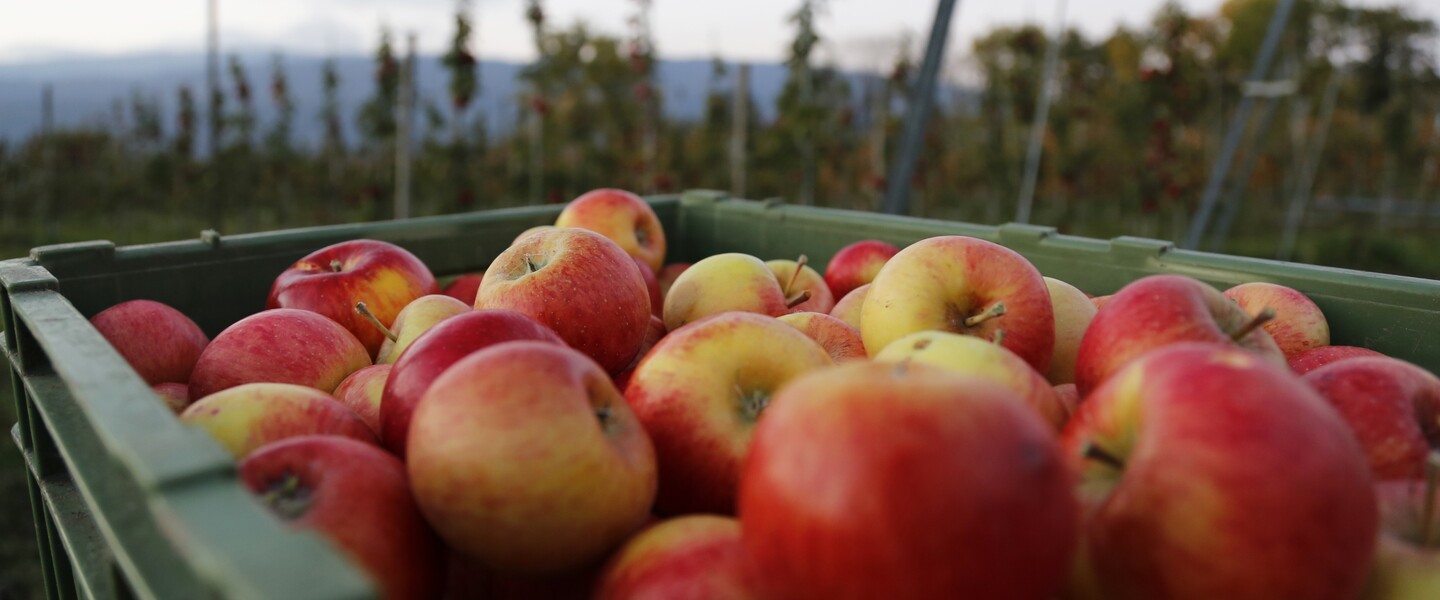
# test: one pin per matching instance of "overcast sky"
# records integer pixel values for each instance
(861, 33)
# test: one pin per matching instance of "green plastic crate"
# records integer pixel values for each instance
(129, 503)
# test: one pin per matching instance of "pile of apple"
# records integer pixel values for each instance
(584, 420)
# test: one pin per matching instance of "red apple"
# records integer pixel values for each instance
(1315, 358)
(699, 393)
(249, 416)
(841, 341)
(652, 286)
(871, 480)
(1205, 470)
(688, 558)
(621, 216)
(668, 274)
(159, 342)
(333, 279)
(362, 392)
(1298, 324)
(653, 334)
(1392, 406)
(282, 345)
(1160, 310)
(856, 265)
(961, 285)
(175, 395)
(357, 496)
(577, 283)
(525, 457)
(463, 288)
(438, 349)
(1407, 557)
(848, 308)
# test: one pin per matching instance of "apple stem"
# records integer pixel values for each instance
(995, 310)
(1432, 481)
(1254, 323)
(364, 311)
(603, 413)
(286, 498)
(799, 265)
(797, 299)
(1093, 451)
(999, 339)
(335, 266)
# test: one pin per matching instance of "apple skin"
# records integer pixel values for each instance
(1073, 313)
(653, 334)
(468, 579)
(362, 392)
(358, 497)
(524, 457)
(849, 308)
(821, 300)
(856, 265)
(652, 286)
(699, 393)
(1405, 568)
(841, 341)
(695, 557)
(463, 288)
(1315, 358)
(331, 280)
(1298, 324)
(667, 276)
(937, 283)
(1392, 406)
(249, 416)
(969, 355)
(442, 346)
(1229, 463)
(531, 230)
(1101, 301)
(1157, 311)
(175, 395)
(159, 342)
(624, 218)
(874, 480)
(579, 284)
(417, 318)
(282, 345)
(723, 283)
(1069, 397)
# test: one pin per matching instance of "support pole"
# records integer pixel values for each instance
(1221, 169)
(404, 117)
(739, 128)
(1301, 195)
(1042, 116)
(897, 195)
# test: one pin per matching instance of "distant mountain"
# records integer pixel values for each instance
(89, 90)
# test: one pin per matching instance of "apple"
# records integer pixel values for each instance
(849, 307)
(724, 283)
(416, 318)
(668, 274)
(1160, 310)
(362, 391)
(699, 393)
(621, 216)
(652, 286)
(524, 457)
(159, 342)
(796, 277)
(1069, 397)
(961, 285)
(249, 416)
(333, 279)
(1101, 301)
(841, 341)
(874, 480)
(1298, 324)
(468, 579)
(1315, 358)
(577, 283)
(1073, 313)
(653, 334)
(696, 556)
(984, 360)
(856, 265)
(1205, 472)
(358, 497)
(438, 349)
(282, 345)
(1392, 406)
(463, 288)
(175, 395)
(531, 230)
(1407, 557)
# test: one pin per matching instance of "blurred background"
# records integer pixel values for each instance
(152, 120)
